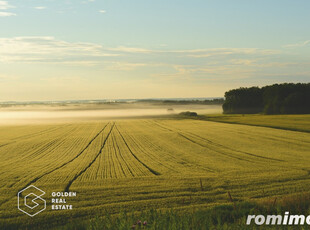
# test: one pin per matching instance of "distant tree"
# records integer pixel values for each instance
(243, 100)
(294, 103)
(287, 98)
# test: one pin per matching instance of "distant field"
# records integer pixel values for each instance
(289, 122)
(140, 164)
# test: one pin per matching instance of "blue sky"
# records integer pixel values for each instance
(82, 49)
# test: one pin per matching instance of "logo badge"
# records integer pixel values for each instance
(29, 201)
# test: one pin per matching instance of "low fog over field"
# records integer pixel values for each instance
(41, 113)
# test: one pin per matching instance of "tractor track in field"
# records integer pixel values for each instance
(239, 151)
(201, 145)
(204, 146)
(14, 140)
(218, 145)
(92, 162)
(53, 170)
(6, 144)
(64, 164)
(146, 151)
(279, 139)
(176, 159)
(222, 146)
(150, 169)
(44, 147)
(116, 147)
(42, 132)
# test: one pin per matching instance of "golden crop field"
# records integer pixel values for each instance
(300, 122)
(138, 164)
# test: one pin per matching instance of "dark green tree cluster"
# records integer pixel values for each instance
(285, 98)
(243, 100)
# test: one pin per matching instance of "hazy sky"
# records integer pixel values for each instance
(106, 49)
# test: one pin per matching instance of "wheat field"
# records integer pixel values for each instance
(138, 164)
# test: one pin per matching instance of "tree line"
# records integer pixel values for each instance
(215, 101)
(287, 98)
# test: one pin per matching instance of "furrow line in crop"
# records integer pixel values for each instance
(172, 155)
(204, 146)
(40, 132)
(239, 151)
(150, 169)
(64, 164)
(113, 167)
(117, 154)
(7, 144)
(121, 155)
(220, 145)
(91, 163)
(43, 147)
(151, 150)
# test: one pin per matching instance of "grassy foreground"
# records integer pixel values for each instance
(230, 216)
